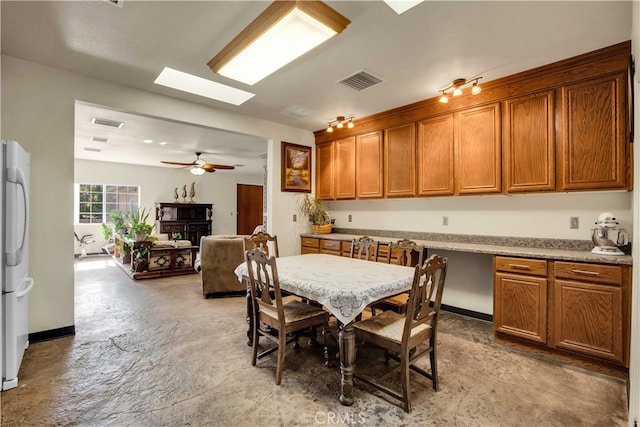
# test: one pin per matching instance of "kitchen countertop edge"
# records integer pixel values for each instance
(525, 252)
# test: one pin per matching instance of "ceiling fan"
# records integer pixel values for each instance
(199, 166)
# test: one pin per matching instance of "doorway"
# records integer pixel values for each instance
(250, 208)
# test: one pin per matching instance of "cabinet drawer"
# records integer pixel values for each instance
(198, 227)
(531, 267)
(172, 228)
(330, 245)
(598, 273)
(310, 242)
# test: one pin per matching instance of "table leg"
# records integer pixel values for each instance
(347, 343)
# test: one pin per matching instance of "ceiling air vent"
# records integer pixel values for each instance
(95, 150)
(98, 139)
(361, 80)
(106, 122)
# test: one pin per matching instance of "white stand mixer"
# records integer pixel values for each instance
(607, 236)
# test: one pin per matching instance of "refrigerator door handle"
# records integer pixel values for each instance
(25, 291)
(16, 176)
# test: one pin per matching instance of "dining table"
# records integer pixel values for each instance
(344, 287)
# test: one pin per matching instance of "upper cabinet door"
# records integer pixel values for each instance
(400, 161)
(594, 147)
(345, 171)
(528, 143)
(325, 189)
(436, 156)
(478, 152)
(369, 165)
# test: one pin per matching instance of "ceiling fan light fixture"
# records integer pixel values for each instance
(283, 32)
(197, 170)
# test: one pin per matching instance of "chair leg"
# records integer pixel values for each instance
(434, 366)
(254, 351)
(404, 375)
(282, 348)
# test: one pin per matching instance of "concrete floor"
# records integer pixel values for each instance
(155, 353)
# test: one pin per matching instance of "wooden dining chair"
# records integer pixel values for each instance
(408, 337)
(364, 246)
(409, 254)
(271, 314)
(262, 240)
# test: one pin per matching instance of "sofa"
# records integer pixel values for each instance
(219, 256)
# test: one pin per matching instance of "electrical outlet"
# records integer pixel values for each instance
(445, 220)
(574, 222)
(295, 217)
(350, 218)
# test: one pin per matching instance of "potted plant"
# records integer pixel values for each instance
(317, 213)
(140, 230)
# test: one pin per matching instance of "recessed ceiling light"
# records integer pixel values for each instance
(401, 6)
(198, 86)
(163, 142)
(147, 141)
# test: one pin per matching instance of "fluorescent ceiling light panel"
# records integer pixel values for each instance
(198, 86)
(282, 33)
(401, 6)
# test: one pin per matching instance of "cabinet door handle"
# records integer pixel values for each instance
(588, 273)
(520, 266)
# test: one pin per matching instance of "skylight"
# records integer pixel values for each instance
(198, 86)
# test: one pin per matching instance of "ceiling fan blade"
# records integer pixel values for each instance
(214, 166)
(177, 163)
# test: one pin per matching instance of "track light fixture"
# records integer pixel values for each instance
(457, 85)
(340, 122)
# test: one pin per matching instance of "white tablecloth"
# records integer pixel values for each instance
(345, 286)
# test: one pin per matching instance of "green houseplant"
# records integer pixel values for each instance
(317, 213)
(140, 230)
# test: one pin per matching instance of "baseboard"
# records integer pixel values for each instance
(52, 334)
(468, 313)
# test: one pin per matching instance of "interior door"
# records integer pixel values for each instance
(250, 208)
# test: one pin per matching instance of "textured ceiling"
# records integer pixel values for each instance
(416, 53)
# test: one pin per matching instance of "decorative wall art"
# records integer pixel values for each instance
(296, 168)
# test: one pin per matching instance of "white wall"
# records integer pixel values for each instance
(157, 184)
(532, 215)
(38, 111)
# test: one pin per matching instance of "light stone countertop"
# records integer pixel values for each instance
(517, 251)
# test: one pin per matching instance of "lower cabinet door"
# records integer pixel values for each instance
(520, 306)
(588, 319)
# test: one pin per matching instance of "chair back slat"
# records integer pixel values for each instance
(262, 240)
(425, 296)
(265, 285)
(406, 248)
(366, 246)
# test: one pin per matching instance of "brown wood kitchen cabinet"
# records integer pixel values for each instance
(436, 156)
(325, 189)
(594, 149)
(478, 150)
(589, 314)
(520, 298)
(345, 172)
(577, 308)
(528, 141)
(400, 161)
(369, 165)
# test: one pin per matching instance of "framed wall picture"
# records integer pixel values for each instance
(631, 69)
(296, 168)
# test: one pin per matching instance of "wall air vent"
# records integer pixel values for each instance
(361, 80)
(106, 122)
(95, 150)
(98, 139)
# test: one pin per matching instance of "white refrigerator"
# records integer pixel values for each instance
(16, 283)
